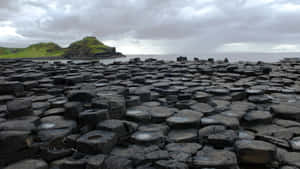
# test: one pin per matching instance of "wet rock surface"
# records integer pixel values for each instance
(150, 114)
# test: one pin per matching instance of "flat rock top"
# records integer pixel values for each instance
(287, 108)
(29, 164)
(149, 114)
(254, 145)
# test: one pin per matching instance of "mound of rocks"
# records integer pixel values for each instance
(149, 114)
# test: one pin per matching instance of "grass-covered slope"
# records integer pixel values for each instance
(5, 51)
(36, 50)
(87, 47)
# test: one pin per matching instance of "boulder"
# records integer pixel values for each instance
(13, 141)
(19, 107)
(258, 117)
(255, 152)
(211, 158)
(287, 110)
(92, 118)
(81, 95)
(185, 119)
(121, 127)
(288, 158)
(11, 87)
(72, 109)
(95, 162)
(97, 141)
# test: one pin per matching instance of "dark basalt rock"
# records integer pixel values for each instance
(295, 143)
(148, 138)
(201, 96)
(92, 118)
(228, 121)
(6, 98)
(19, 107)
(157, 155)
(121, 127)
(170, 164)
(138, 115)
(116, 104)
(40, 106)
(72, 109)
(55, 150)
(255, 152)
(71, 163)
(53, 127)
(97, 141)
(287, 110)
(183, 135)
(134, 152)
(154, 128)
(276, 141)
(159, 114)
(13, 141)
(149, 114)
(204, 132)
(223, 139)
(288, 158)
(54, 112)
(288, 167)
(181, 59)
(29, 164)
(259, 99)
(211, 158)
(81, 95)
(115, 162)
(95, 162)
(258, 117)
(218, 91)
(17, 125)
(132, 101)
(189, 148)
(12, 87)
(185, 119)
(206, 109)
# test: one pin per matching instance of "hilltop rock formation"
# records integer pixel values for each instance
(90, 47)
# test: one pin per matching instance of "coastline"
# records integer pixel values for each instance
(64, 58)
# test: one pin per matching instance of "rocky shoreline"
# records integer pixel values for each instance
(150, 114)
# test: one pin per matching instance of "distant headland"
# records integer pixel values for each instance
(87, 48)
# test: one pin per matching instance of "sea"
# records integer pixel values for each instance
(232, 57)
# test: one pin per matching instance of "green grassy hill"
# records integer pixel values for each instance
(36, 50)
(87, 47)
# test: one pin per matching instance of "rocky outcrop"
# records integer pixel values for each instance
(90, 47)
(149, 114)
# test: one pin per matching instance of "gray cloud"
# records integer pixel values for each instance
(178, 25)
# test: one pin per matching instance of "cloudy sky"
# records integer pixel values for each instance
(156, 26)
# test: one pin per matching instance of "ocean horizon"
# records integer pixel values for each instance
(232, 57)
